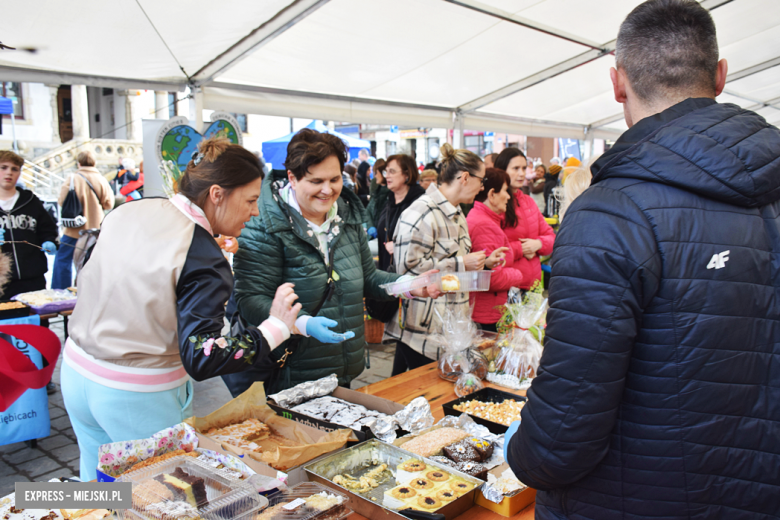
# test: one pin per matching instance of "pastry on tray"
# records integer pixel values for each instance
(450, 283)
(461, 451)
(410, 469)
(160, 458)
(185, 487)
(429, 502)
(433, 442)
(475, 469)
(461, 487)
(243, 435)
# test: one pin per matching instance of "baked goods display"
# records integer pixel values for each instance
(427, 489)
(305, 501)
(505, 412)
(243, 435)
(432, 442)
(338, 411)
(7, 306)
(161, 458)
(182, 487)
(365, 483)
(450, 283)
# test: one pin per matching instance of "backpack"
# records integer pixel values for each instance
(72, 215)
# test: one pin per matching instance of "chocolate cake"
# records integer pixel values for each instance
(475, 469)
(461, 451)
(483, 448)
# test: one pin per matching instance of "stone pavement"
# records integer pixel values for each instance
(58, 454)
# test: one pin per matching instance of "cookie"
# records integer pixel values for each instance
(403, 492)
(421, 483)
(413, 466)
(437, 476)
(446, 495)
(429, 502)
(461, 487)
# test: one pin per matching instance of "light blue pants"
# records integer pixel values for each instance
(100, 414)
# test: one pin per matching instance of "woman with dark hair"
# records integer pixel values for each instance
(433, 234)
(529, 235)
(310, 232)
(131, 353)
(485, 220)
(379, 196)
(401, 178)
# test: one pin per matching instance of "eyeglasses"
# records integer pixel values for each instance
(481, 179)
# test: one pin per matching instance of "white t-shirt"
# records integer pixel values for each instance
(8, 204)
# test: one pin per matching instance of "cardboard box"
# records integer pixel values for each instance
(511, 505)
(371, 402)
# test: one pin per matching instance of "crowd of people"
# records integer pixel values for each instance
(655, 395)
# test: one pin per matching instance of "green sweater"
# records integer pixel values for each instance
(276, 248)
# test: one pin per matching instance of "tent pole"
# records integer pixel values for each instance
(13, 127)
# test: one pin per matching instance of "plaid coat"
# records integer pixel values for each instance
(431, 234)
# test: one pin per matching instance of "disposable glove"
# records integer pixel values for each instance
(509, 432)
(2, 236)
(372, 232)
(49, 248)
(318, 327)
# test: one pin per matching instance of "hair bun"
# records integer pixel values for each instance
(447, 152)
(213, 147)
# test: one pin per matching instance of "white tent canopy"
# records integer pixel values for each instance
(535, 67)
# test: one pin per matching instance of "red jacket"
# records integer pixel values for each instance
(486, 235)
(530, 224)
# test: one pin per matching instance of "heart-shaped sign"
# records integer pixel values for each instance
(177, 140)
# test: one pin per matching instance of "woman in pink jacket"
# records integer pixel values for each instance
(484, 221)
(529, 235)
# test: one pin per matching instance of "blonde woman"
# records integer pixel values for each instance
(433, 234)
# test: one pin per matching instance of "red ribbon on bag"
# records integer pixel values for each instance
(17, 372)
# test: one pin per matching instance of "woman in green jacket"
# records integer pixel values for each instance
(306, 223)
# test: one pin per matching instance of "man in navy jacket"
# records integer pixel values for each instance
(658, 394)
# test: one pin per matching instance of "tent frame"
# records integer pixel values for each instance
(465, 115)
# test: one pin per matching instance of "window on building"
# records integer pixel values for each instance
(13, 90)
(171, 104)
(241, 118)
(474, 143)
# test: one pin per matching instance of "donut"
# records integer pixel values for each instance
(421, 483)
(413, 466)
(437, 476)
(403, 492)
(429, 502)
(460, 486)
(445, 495)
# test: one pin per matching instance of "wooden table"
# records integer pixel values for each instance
(425, 381)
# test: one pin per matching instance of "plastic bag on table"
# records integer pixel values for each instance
(518, 361)
(459, 334)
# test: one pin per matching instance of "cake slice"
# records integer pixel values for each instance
(431, 443)
(185, 487)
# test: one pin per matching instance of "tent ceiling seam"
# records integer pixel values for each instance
(285, 18)
(138, 2)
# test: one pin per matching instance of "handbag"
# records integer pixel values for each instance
(72, 215)
(23, 400)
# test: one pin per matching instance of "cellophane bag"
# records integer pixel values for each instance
(521, 347)
(457, 358)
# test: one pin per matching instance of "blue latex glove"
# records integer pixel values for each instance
(318, 327)
(372, 232)
(49, 248)
(2, 236)
(509, 432)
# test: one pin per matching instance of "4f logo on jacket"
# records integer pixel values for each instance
(718, 260)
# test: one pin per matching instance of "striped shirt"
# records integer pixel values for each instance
(431, 234)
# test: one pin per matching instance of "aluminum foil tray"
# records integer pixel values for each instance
(362, 458)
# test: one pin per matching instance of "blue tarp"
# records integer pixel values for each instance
(275, 150)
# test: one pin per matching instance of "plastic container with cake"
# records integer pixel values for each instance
(306, 501)
(407, 284)
(465, 281)
(185, 488)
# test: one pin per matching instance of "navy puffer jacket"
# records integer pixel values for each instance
(658, 394)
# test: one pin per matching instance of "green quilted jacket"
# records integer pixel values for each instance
(276, 248)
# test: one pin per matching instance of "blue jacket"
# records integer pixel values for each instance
(658, 394)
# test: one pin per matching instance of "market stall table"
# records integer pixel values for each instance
(425, 381)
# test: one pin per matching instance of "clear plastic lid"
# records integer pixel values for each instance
(304, 501)
(466, 281)
(183, 487)
(399, 287)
